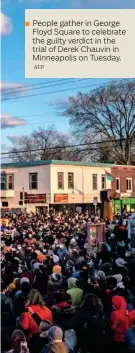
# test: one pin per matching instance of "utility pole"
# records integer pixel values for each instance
(23, 198)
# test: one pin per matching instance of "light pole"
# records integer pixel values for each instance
(23, 198)
(82, 185)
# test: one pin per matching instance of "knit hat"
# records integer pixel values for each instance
(55, 259)
(24, 279)
(57, 269)
(55, 334)
(72, 283)
(118, 278)
(12, 287)
(100, 275)
(120, 262)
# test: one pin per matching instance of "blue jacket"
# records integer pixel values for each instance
(130, 338)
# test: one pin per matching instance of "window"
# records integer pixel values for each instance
(103, 182)
(70, 180)
(7, 181)
(3, 181)
(118, 184)
(10, 182)
(4, 204)
(94, 181)
(33, 181)
(128, 184)
(60, 180)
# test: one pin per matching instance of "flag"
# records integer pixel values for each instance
(109, 177)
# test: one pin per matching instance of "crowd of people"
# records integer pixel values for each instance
(60, 296)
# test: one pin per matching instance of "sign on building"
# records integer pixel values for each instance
(131, 231)
(36, 198)
(61, 198)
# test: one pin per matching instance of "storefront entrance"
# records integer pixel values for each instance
(127, 205)
(41, 210)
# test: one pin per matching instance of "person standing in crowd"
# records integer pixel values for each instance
(60, 295)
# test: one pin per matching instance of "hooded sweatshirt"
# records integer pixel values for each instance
(28, 322)
(75, 293)
(119, 318)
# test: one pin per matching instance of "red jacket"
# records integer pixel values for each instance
(119, 318)
(131, 315)
(29, 324)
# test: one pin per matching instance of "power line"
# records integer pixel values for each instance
(63, 147)
(52, 92)
(34, 84)
(54, 153)
(40, 122)
(33, 89)
(27, 96)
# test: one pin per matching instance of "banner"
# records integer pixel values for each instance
(95, 233)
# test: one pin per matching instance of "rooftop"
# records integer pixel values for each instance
(59, 162)
(48, 162)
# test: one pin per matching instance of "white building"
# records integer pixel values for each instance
(52, 183)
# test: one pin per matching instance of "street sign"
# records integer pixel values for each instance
(95, 201)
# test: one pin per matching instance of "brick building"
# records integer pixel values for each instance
(124, 185)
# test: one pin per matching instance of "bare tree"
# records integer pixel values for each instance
(40, 145)
(106, 114)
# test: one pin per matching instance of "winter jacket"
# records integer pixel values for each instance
(28, 323)
(130, 338)
(89, 324)
(6, 304)
(131, 317)
(119, 319)
(62, 312)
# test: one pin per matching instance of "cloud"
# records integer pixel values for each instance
(6, 25)
(9, 89)
(8, 121)
(7, 86)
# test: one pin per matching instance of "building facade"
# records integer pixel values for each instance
(39, 185)
(124, 185)
(42, 184)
